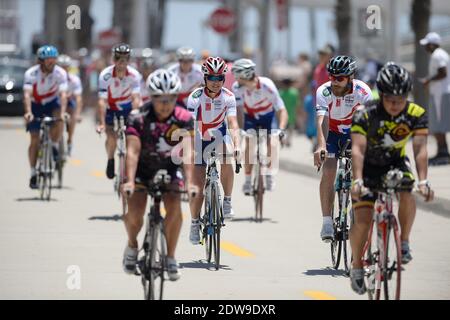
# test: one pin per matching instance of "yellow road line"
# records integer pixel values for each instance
(319, 295)
(98, 174)
(75, 162)
(235, 250)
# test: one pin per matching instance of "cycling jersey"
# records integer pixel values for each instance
(45, 87)
(261, 102)
(210, 114)
(387, 135)
(118, 92)
(74, 89)
(340, 110)
(158, 139)
(189, 81)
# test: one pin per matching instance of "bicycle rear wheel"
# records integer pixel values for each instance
(258, 192)
(392, 262)
(336, 244)
(60, 162)
(216, 208)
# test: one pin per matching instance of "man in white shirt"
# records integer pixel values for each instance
(438, 82)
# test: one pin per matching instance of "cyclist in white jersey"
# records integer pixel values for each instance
(44, 90)
(74, 98)
(214, 109)
(336, 100)
(119, 93)
(147, 66)
(258, 99)
(190, 74)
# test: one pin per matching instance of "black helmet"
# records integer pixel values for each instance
(394, 80)
(121, 48)
(341, 65)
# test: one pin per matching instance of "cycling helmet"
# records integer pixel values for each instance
(214, 66)
(393, 79)
(163, 81)
(243, 69)
(185, 53)
(46, 52)
(341, 65)
(121, 48)
(64, 60)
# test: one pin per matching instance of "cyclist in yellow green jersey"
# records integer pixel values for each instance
(379, 134)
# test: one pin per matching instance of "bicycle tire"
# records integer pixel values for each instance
(47, 172)
(217, 223)
(121, 182)
(258, 189)
(345, 229)
(336, 244)
(155, 263)
(392, 264)
(60, 162)
(207, 231)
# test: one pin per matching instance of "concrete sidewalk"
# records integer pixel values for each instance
(299, 159)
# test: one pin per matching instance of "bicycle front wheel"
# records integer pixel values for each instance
(60, 162)
(258, 193)
(392, 262)
(336, 244)
(155, 263)
(216, 208)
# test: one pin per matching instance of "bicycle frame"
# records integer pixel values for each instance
(119, 129)
(45, 158)
(374, 266)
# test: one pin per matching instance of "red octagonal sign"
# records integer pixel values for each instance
(223, 21)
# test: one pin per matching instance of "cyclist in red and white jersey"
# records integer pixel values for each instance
(44, 90)
(336, 100)
(259, 101)
(214, 110)
(189, 72)
(74, 98)
(119, 93)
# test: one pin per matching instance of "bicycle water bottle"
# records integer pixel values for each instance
(339, 177)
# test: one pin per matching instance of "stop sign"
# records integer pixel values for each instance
(222, 20)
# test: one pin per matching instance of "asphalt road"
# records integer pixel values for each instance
(79, 232)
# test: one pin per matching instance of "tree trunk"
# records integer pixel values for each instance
(156, 23)
(343, 23)
(84, 36)
(420, 17)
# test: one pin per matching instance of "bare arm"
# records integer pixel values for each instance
(63, 97)
(27, 101)
(234, 129)
(136, 100)
(132, 159)
(282, 116)
(359, 144)
(101, 111)
(79, 108)
(421, 156)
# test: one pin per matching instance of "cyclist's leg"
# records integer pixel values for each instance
(250, 145)
(33, 128)
(359, 230)
(407, 203)
(56, 131)
(111, 137)
(71, 104)
(134, 218)
(198, 181)
(173, 219)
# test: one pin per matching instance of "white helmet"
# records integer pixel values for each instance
(64, 60)
(243, 69)
(163, 81)
(185, 53)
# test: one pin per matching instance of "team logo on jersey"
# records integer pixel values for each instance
(349, 100)
(326, 92)
(197, 93)
(107, 76)
(400, 132)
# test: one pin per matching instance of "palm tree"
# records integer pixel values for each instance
(343, 23)
(420, 17)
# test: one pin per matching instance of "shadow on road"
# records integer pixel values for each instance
(252, 219)
(202, 264)
(116, 217)
(326, 272)
(34, 199)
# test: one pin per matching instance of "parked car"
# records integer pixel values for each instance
(12, 72)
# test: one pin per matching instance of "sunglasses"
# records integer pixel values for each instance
(187, 61)
(215, 78)
(119, 57)
(338, 78)
(164, 98)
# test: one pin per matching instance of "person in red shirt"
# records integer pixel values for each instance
(320, 74)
